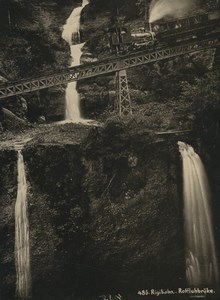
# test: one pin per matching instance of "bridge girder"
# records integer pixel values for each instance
(103, 67)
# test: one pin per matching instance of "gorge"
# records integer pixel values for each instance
(104, 203)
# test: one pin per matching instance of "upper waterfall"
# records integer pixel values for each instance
(71, 34)
(71, 30)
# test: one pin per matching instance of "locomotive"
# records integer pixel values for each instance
(165, 33)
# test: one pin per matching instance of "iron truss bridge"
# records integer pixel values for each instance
(109, 65)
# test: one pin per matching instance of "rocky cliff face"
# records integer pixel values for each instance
(8, 190)
(105, 210)
(95, 226)
(135, 238)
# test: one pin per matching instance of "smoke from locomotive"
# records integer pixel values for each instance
(174, 8)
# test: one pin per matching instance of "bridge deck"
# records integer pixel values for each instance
(103, 67)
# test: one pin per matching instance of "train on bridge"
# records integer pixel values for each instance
(159, 41)
(164, 33)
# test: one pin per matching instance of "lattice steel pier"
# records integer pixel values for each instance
(123, 96)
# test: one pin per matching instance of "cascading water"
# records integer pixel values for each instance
(22, 248)
(201, 261)
(71, 34)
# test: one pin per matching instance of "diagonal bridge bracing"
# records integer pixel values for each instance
(103, 67)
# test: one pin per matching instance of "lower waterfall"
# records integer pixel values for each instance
(22, 247)
(201, 260)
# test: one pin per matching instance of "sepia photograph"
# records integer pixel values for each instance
(109, 149)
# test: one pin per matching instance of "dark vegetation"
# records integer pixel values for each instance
(31, 46)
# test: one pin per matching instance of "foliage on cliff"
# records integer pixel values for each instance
(32, 45)
(31, 37)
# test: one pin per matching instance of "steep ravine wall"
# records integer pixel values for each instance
(8, 190)
(32, 46)
(138, 234)
(105, 215)
(58, 214)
